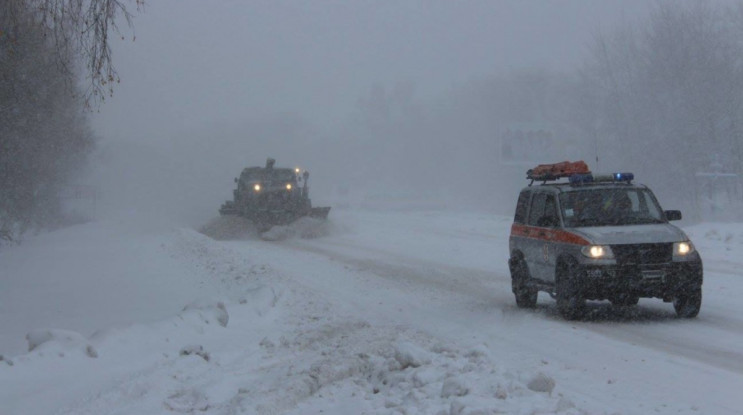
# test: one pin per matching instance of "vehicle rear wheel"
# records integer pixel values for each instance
(688, 304)
(570, 301)
(526, 296)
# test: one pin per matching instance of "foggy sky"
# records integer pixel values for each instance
(200, 72)
(196, 62)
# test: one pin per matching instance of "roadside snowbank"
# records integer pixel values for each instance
(265, 346)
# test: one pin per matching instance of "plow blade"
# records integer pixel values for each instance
(320, 212)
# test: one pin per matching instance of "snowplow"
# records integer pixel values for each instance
(269, 196)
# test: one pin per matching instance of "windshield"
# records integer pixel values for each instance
(257, 174)
(281, 175)
(609, 207)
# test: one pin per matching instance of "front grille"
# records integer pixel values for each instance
(643, 254)
(276, 200)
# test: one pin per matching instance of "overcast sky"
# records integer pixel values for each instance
(197, 63)
(210, 87)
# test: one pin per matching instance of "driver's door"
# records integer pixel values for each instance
(542, 221)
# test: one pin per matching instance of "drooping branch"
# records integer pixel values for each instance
(81, 31)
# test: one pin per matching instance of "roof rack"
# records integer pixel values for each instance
(555, 171)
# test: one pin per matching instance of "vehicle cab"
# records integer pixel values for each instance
(580, 236)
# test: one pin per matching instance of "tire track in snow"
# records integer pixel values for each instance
(484, 287)
(707, 353)
(470, 282)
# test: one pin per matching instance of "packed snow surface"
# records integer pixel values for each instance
(367, 313)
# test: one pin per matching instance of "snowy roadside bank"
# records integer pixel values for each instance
(271, 346)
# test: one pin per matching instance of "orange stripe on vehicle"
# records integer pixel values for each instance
(547, 234)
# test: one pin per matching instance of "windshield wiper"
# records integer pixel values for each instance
(588, 222)
(639, 221)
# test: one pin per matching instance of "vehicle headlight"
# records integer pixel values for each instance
(597, 251)
(288, 186)
(682, 249)
(257, 188)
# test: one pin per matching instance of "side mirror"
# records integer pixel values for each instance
(672, 215)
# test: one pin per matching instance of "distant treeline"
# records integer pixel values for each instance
(661, 95)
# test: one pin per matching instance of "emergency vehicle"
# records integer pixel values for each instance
(579, 236)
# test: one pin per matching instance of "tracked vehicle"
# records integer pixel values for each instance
(270, 196)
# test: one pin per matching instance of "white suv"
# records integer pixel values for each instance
(600, 238)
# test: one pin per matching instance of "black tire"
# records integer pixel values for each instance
(625, 300)
(570, 301)
(688, 304)
(526, 296)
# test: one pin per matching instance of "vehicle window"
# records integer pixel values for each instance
(610, 206)
(521, 206)
(649, 205)
(634, 198)
(543, 212)
(280, 175)
(549, 218)
(536, 210)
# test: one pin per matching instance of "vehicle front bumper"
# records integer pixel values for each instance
(666, 281)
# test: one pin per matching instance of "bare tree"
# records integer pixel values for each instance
(666, 95)
(44, 132)
(81, 31)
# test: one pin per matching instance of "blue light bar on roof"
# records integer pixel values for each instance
(624, 177)
(578, 179)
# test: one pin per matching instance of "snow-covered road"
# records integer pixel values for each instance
(377, 312)
(455, 283)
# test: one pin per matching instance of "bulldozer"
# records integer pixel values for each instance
(270, 196)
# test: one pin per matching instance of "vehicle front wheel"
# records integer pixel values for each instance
(688, 304)
(570, 301)
(526, 296)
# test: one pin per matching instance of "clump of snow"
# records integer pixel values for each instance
(267, 344)
(478, 352)
(187, 401)
(208, 312)
(564, 405)
(59, 341)
(7, 361)
(195, 349)
(409, 355)
(541, 383)
(501, 392)
(278, 233)
(229, 227)
(262, 298)
(453, 387)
